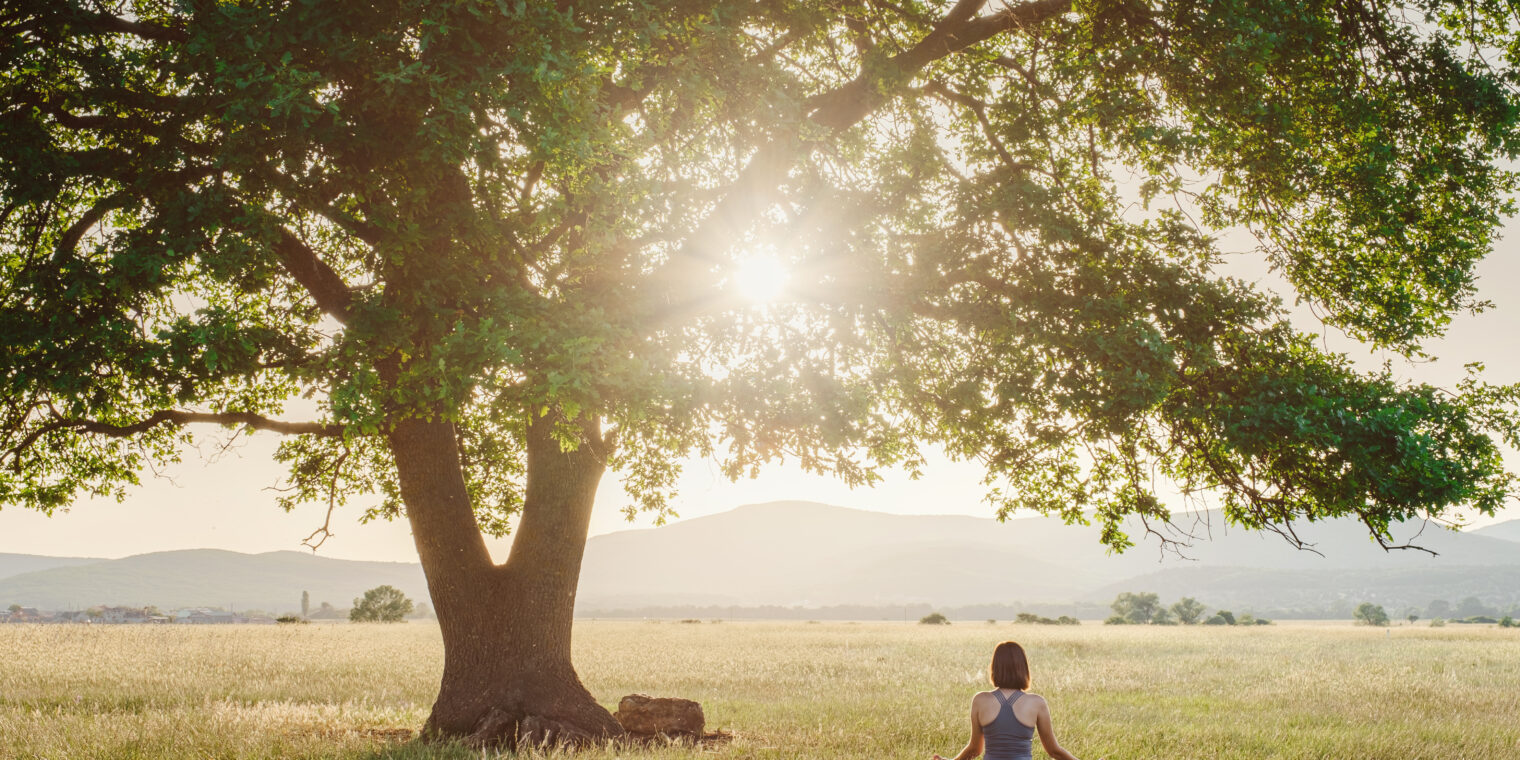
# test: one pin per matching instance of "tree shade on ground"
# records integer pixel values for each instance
(494, 251)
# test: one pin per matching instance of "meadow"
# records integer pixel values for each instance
(783, 690)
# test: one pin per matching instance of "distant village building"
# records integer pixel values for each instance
(115, 615)
(130, 615)
(207, 616)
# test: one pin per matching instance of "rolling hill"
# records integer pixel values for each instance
(16, 564)
(791, 554)
(798, 553)
(1508, 530)
(209, 577)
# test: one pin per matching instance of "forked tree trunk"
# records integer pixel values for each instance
(507, 676)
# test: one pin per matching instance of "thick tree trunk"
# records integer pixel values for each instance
(507, 676)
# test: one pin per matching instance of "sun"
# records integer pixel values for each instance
(760, 278)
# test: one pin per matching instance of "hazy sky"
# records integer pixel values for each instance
(224, 504)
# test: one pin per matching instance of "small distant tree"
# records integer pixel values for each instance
(1137, 608)
(1440, 608)
(1116, 620)
(381, 604)
(1247, 619)
(1472, 606)
(1067, 620)
(1163, 616)
(991, 621)
(305, 604)
(1506, 622)
(1027, 617)
(14, 608)
(934, 618)
(1216, 619)
(1368, 613)
(1412, 618)
(1227, 616)
(1188, 610)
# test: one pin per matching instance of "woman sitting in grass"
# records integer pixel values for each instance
(1005, 719)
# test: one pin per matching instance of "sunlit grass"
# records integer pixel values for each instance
(784, 690)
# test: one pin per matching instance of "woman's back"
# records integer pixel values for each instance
(1006, 736)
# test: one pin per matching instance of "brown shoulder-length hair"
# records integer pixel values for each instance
(1010, 668)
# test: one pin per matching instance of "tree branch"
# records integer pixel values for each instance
(70, 238)
(175, 418)
(108, 24)
(840, 108)
(324, 284)
(979, 110)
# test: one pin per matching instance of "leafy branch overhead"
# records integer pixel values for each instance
(1000, 222)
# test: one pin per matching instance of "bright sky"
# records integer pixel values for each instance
(225, 504)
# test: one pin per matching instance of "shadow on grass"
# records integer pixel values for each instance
(417, 749)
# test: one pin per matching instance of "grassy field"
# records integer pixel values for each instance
(784, 690)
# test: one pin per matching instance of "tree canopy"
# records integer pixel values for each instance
(381, 604)
(1368, 613)
(1001, 224)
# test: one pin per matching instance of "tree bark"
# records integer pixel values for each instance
(507, 676)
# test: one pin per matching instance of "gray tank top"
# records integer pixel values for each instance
(1006, 738)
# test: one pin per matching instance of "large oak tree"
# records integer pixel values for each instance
(496, 246)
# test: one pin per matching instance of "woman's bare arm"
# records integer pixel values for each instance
(1048, 734)
(974, 745)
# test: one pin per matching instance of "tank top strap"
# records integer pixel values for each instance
(1002, 700)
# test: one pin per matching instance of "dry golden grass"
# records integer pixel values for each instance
(785, 690)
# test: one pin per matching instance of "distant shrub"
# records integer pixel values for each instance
(1067, 620)
(291, 619)
(1477, 619)
(1438, 622)
(1507, 622)
(1030, 617)
(1229, 617)
(691, 620)
(991, 621)
(1188, 610)
(1263, 621)
(1216, 620)
(934, 618)
(1368, 613)
(1116, 620)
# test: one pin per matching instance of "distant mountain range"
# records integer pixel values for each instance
(791, 554)
(272, 582)
(16, 564)
(1508, 530)
(798, 553)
